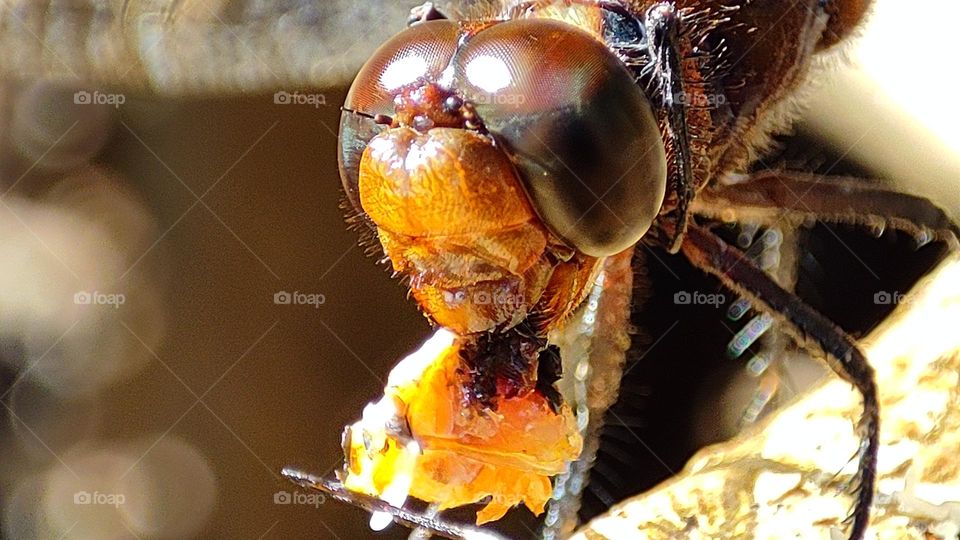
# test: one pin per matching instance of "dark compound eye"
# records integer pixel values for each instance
(580, 130)
(419, 53)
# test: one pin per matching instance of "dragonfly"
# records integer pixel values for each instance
(524, 148)
(659, 106)
(713, 75)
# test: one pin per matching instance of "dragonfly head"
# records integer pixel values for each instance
(509, 159)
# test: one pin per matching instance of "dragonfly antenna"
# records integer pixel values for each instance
(378, 118)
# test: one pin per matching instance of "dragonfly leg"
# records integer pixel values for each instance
(814, 331)
(662, 24)
(773, 196)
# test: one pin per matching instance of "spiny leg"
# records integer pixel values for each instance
(650, 45)
(708, 252)
(662, 24)
(408, 518)
(768, 247)
(772, 196)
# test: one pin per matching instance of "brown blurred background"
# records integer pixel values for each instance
(245, 384)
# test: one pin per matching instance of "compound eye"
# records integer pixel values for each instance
(419, 53)
(579, 129)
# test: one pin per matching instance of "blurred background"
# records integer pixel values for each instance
(182, 309)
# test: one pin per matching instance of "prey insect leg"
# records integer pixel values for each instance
(408, 518)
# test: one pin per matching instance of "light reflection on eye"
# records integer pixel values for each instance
(380, 149)
(403, 71)
(488, 73)
(421, 156)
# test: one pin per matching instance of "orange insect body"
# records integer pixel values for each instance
(451, 454)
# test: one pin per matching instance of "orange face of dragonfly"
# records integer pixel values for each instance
(509, 159)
